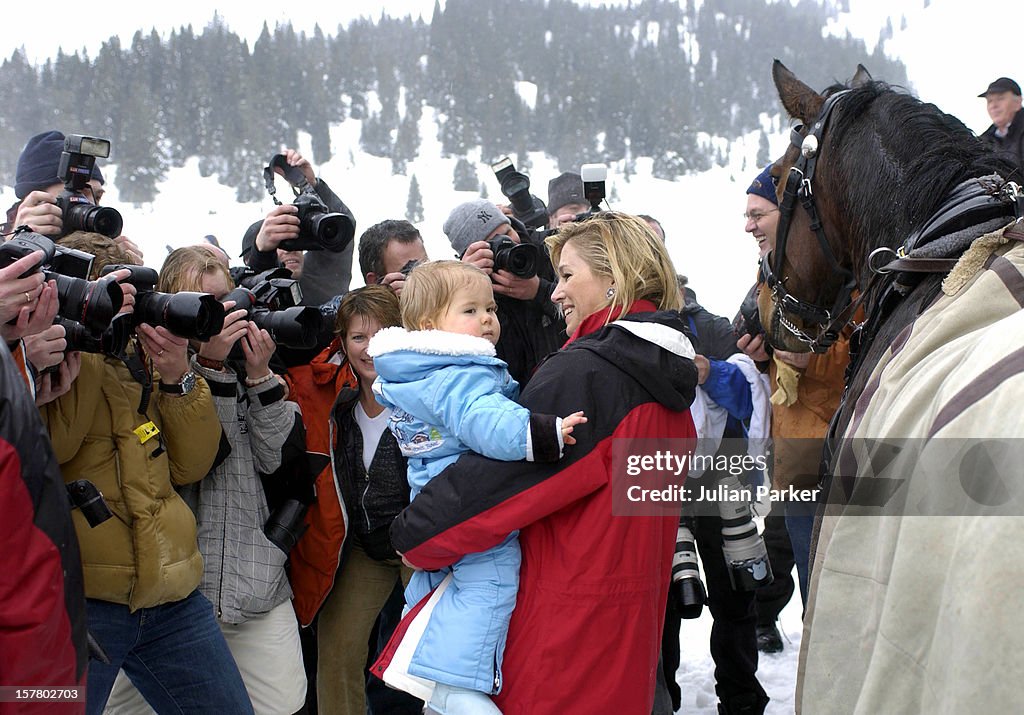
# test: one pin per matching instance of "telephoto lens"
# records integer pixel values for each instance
(286, 525)
(687, 588)
(197, 316)
(91, 303)
(745, 554)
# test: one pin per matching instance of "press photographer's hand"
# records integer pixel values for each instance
(35, 316)
(42, 214)
(46, 348)
(168, 352)
(280, 224)
(219, 346)
(52, 385)
(395, 281)
(296, 159)
(17, 295)
(479, 254)
(258, 347)
(506, 283)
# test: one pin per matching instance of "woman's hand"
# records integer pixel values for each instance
(258, 347)
(35, 316)
(18, 296)
(168, 352)
(568, 422)
(218, 346)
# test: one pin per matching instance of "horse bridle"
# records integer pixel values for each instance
(799, 184)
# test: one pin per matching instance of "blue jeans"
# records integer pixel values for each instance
(174, 654)
(799, 524)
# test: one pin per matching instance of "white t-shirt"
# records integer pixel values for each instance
(372, 429)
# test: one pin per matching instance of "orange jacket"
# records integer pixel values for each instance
(314, 560)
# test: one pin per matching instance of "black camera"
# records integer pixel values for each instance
(85, 497)
(286, 524)
(519, 259)
(516, 187)
(91, 303)
(274, 289)
(112, 341)
(319, 228)
(78, 212)
(272, 301)
(197, 316)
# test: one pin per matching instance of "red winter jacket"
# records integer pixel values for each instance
(42, 617)
(314, 560)
(586, 630)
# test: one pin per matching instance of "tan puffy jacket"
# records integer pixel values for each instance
(798, 430)
(146, 554)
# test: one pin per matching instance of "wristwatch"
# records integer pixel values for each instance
(182, 387)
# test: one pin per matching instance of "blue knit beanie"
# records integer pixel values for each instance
(764, 186)
(39, 162)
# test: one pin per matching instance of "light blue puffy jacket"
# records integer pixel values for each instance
(449, 395)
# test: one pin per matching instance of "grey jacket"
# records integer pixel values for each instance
(243, 572)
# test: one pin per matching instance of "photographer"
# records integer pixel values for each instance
(324, 278)
(387, 252)
(136, 428)
(566, 199)
(28, 306)
(243, 570)
(531, 325)
(38, 184)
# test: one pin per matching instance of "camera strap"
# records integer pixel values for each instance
(292, 175)
(141, 375)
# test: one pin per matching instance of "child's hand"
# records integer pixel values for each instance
(576, 418)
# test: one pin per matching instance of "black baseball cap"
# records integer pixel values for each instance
(1003, 84)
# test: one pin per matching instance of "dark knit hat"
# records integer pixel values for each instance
(764, 186)
(565, 189)
(472, 221)
(39, 162)
(1003, 84)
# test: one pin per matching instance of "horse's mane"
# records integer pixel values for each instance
(898, 158)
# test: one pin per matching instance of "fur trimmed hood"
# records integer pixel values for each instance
(428, 342)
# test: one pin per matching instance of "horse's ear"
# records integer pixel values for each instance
(800, 101)
(861, 77)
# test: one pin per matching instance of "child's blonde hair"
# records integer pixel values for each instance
(429, 290)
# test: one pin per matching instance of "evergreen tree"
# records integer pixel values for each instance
(764, 157)
(464, 176)
(414, 205)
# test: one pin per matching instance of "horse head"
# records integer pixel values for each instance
(810, 268)
(866, 167)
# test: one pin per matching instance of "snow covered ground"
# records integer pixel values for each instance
(776, 672)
